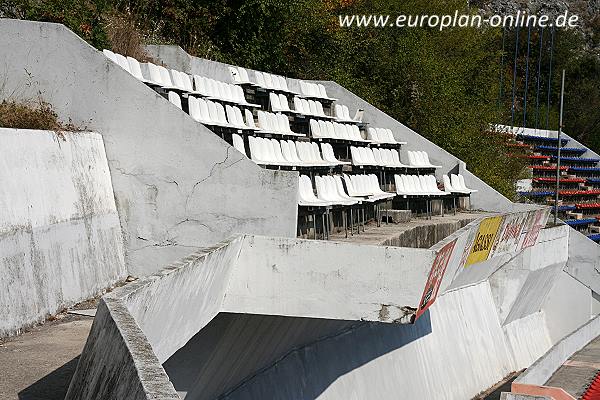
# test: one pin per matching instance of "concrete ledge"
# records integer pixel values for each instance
(541, 370)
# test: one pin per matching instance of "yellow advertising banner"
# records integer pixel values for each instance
(484, 240)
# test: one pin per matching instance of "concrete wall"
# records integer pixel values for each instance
(584, 260)
(486, 199)
(454, 353)
(545, 366)
(60, 239)
(178, 186)
(117, 362)
(568, 305)
(329, 280)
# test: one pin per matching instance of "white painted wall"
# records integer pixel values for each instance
(461, 350)
(178, 186)
(567, 306)
(60, 238)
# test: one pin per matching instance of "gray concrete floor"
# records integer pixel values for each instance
(578, 372)
(375, 235)
(38, 364)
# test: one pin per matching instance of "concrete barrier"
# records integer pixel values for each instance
(177, 185)
(60, 239)
(256, 310)
(541, 370)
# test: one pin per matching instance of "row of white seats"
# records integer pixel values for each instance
(331, 192)
(315, 90)
(275, 123)
(420, 159)
(261, 79)
(129, 64)
(364, 156)
(220, 90)
(366, 186)
(177, 80)
(456, 184)
(335, 130)
(413, 185)
(309, 107)
(288, 153)
(382, 135)
(342, 113)
(214, 114)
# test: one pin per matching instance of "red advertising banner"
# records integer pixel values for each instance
(435, 277)
(537, 221)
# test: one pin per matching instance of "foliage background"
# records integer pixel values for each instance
(448, 86)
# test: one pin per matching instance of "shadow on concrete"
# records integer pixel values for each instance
(53, 386)
(242, 355)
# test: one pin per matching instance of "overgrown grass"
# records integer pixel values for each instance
(126, 37)
(33, 115)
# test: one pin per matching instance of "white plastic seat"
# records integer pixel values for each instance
(194, 109)
(283, 103)
(306, 194)
(326, 190)
(260, 79)
(306, 107)
(312, 106)
(268, 81)
(165, 78)
(294, 152)
(135, 69)
(231, 117)
(175, 99)
(279, 159)
(235, 75)
(274, 101)
(122, 61)
(243, 75)
(176, 79)
(315, 129)
(249, 118)
(110, 55)
(257, 152)
(238, 143)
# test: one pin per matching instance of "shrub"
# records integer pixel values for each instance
(32, 115)
(125, 37)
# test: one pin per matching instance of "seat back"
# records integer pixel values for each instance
(249, 118)
(306, 107)
(111, 56)
(268, 80)
(274, 102)
(447, 184)
(194, 108)
(260, 80)
(154, 73)
(277, 151)
(243, 75)
(204, 112)
(283, 102)
(235, 75)
(175, 99)
(122, 61)
(238, 143)
(134, 68)
(322, 91)
(176, 79)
